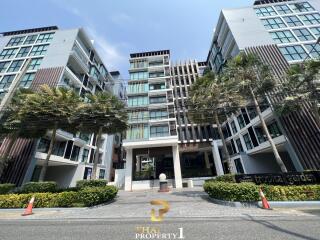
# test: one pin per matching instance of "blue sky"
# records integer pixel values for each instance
(120, 27)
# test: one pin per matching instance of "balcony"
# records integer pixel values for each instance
(73, 77)
(80, 58)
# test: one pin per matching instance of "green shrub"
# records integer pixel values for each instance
(226, 178)
(91, 196)
(91, 183)
(6, 188)
(39, 187)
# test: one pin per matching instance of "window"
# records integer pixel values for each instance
(239, 145)
(45, 37)
(303, 34)
(301, 7)
(8, 53)
(265, 11)
(260, 135)
(157, 86)
(75, 153)
(15, 41)
(315, 31)
(138, 116)
(283, 36)
(247, 141)
(39, 50)
(241, 121)
(85, 155)
(283, 9)
(6, 81)
(293, 21)
(251, 112)
(159, 131)
(138, 131)
(156, 100)
(160, 114)
(273, 23)
(3, 66)
(274, 130)
(293, 52)
(138, 64)
(27, 80)
(15, 66)
(311, 19)
(35, 64)
(139, 75)
(156, 74)
(234, 127)
(238, 164)
(30, 39)
(102, 173)
(313, 49)
(138, 101)
(137, 87)
(23, 52)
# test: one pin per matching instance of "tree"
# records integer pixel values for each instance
(254, 79)
(302, 86)
(49, 109)
(211, 98)
(102, 113)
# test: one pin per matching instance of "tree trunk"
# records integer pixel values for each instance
(4, 160)
(315, 111)
(50, 150)
(266, 131)
(224, 144)
(96, 154)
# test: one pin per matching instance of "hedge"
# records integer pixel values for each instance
(91, 183)
(246, 192)
(84, 198)
(39, 187)
(6, 188)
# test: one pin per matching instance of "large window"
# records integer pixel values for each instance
(6, 81)
(265, 11)
(35, 64)
(313, 49)
(157, 86)
(293, 52)
(15, 66)
(283, 9)
(283, 36)
(15, 41)
(45, 37)
(273, 23)
(137, 116)
(303, 34)
(311, 19)
(156, 74)
(75, 153)
(85, 155)
(159, 131)
(23, 52)
(260, 135)
(138, 101)
(138, 131)
(234, 127)
(30, 39)
(252, 112)
(239, 145)
(301, 7)
(39, 50)
(4, 66)
(315, 31)
(241, 121)
(247, 141)
(138, 64)
(27, 80)
(137, 87)
(293, 21)
(8, 53)
(274, 130)
(159, 114)
(139, 75)
(156, 100)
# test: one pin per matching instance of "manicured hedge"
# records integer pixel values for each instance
(6, 188)
(246, 192)
(91, 183)
(39, 187)
(84, 197)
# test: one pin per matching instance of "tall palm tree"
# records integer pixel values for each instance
(211, 97)
(102, 113)
(254, 79)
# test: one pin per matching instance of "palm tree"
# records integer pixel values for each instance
(254, 79)
(102, 113)
(211, 97)
(49, 109)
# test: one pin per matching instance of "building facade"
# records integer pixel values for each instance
(59, 58)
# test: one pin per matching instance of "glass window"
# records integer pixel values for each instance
(238, 164)
(15, 66)
(39, 50)
(159, 114)
(273, 23)
(35, 63)
(274, 130)
(293, 21)
(239, 145)
(137, 87)
(311, 19)
(139, 75)
(301, 7)
(155, 100)
(315, 31)
(101, 173)
(241, 121)
(4, 66)
(283, 9)
(313, 49)
(45, 37)
(138, 116)
(260, 135)
(138, 64)
(252, 112)
(157, 86)
(138, 101)
(159, 131)
(75, 153)
(6, 81)
(15, 41)
(85, 155)
(293, 52)
(138, 131)
(23, 52)
(283, 36)
(27, 80)
(234, 127)
(8, 53)
(303, 34)
(30, 39)
(156, 74)
(265, 11)
(247, 141)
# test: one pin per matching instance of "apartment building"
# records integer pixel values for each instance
(59, 58)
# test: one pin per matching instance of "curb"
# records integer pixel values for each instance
(234, 204)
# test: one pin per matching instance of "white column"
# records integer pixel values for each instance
(177, 167)
(216, 158)
(128, 174)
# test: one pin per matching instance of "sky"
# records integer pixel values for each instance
(121, 27)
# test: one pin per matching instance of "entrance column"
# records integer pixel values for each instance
(177, 167)
(128, 171)
(216, 158)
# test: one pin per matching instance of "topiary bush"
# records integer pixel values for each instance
(39, 187)
(6, 188)
(226, 178)
(91, 196)
(91, 183)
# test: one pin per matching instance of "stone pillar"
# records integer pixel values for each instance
(177, 167)
(128, 173)
(216, 158)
